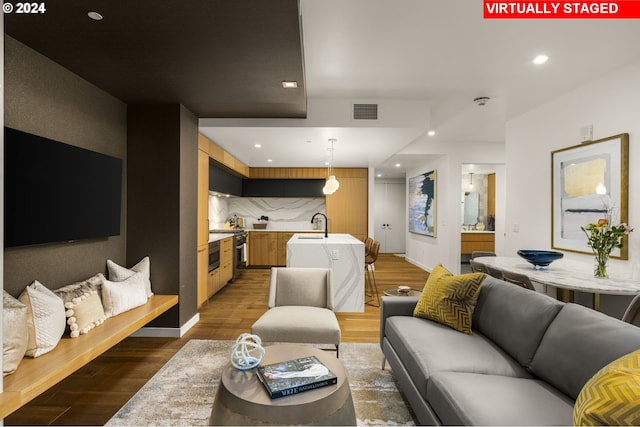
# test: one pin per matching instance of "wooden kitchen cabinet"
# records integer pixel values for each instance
(281, 250)
(347, 208)
(202, 263)
(203, 199)
(226, 261)
(202, 227)
(262, 248)
(477, 242)
(213, 282)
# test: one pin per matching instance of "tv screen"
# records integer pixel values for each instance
(55, 192)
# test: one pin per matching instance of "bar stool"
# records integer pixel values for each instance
(371, 287)
(367, 246)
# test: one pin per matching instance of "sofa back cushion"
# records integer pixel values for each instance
(578, 343)
(513, 317)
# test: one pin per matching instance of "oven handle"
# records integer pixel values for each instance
(243, 248)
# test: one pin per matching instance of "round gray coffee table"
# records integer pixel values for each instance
(242, 400)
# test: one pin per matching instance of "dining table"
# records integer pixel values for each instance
(566, 276)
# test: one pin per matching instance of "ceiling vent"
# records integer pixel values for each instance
(365, 111)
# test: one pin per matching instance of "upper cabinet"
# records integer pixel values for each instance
(222, 181)
(282, 187)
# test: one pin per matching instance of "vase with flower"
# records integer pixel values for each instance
(602, 238)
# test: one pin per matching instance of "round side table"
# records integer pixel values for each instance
(242, 400)
(395, 292)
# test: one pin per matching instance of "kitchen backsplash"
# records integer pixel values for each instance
(284, 213)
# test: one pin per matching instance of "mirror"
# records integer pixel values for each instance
(471, 204)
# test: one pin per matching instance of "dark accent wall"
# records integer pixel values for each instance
(162, 155)
(45, 99)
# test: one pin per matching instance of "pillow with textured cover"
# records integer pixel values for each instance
(117, 273)
(83, 305)
(612, 396)
(118, 297)
(46, 320)
(15, 333)
(448, 299)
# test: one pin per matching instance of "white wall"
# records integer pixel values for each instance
(426, 252)
(612, 105)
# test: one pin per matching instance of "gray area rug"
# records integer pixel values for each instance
(182, 391)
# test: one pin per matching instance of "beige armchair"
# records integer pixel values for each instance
(300, 308)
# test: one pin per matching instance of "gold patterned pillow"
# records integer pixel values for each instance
(612, 396)
(448, 299)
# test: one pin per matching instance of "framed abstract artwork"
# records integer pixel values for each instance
(422, 204)
(589, 181)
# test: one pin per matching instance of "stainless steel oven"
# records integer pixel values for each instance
(240, 254)
(214, 255)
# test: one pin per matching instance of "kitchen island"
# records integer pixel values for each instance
(341, 252)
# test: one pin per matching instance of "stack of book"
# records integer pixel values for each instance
(295, 376)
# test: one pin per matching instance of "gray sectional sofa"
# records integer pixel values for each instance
(524, 364)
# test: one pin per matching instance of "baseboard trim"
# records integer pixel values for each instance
(416, 263)
(167, 332)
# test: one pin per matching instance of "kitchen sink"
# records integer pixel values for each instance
(310, 236)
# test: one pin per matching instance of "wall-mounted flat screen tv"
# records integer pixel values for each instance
(55, 192)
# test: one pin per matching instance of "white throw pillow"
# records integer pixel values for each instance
(16, 334)
(46, 319)
(118, 297)
(117, 273)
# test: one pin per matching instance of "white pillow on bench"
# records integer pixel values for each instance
(46, 319)
(118, 297)
(117, 273)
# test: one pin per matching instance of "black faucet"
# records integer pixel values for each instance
(326, 222)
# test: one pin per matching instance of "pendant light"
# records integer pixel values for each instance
(332, 184)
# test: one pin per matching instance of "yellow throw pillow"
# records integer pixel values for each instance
(448, 299)
(612, 396)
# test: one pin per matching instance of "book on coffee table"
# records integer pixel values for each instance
(295, 376)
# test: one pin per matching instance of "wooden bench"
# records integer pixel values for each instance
(34, 376)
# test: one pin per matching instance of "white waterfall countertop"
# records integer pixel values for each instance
(341, 252)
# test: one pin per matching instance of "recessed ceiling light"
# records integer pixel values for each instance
(379, 175)
(397, 165)
(257, 145)
(289, 84)
(540, 59)
(431, 132)
(94, 15)
(269, 160)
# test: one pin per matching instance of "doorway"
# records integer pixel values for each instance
(389, 218)
(482, 189)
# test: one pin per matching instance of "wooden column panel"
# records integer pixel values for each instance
(347, 208)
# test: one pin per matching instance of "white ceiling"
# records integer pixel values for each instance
(423, 62)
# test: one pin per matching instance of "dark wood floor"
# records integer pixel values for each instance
(97, 391)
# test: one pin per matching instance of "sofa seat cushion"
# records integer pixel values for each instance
(427, 347)
(475, 399)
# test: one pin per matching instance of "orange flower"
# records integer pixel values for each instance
(603, 221)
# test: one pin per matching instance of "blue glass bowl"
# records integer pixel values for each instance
(540, 259)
